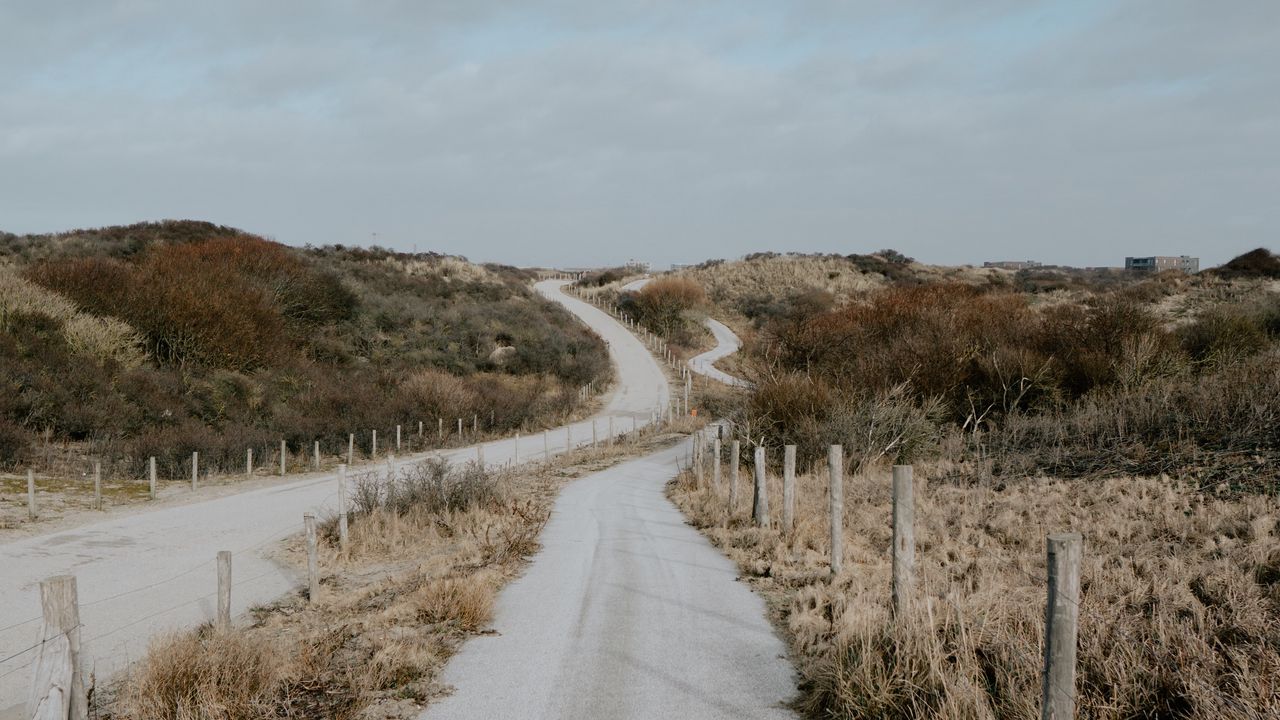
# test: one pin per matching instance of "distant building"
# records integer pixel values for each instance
(638, 265)
(1158, 263)
(1012, 264)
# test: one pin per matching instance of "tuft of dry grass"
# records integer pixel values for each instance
(206, 676)
(1180, 609)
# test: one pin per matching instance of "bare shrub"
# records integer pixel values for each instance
(664, 305)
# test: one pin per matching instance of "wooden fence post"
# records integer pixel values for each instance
(317, 454)
(248, 462)
(373, 450)
(475, 424)
(343, 540)
(1061, 618)
(284, 456)
(788, 488)
(610, 442)
(760, 499)
(835, 469)
(397, 438)
(97, 485)
(480, 455)
(594, 434)
(151, 477)
(735, 449)
(224, 590)
(313, 562)
(440, 429)
(904, 539)
(715, 464)
(546, 447)
(57, 689)
(517, 453)
(31, 494)
(420, 428)
(697, 461)
(568, 438)
(351, 448)
(459, 428)
(195, 469)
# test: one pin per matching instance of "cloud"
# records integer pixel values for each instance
(575, 132)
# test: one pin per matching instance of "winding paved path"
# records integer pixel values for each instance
(727, 343)
(627, 612)
(150, 572)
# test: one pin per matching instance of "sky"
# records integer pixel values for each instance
(584, 133)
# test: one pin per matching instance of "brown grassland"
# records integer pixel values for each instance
(1180, 609)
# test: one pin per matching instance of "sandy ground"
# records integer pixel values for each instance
(627, 612)
(151, 570)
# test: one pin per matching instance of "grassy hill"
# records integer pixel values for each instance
(166, 338)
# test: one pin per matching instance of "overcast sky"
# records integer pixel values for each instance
(584, 132)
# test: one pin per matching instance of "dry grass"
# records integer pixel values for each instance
(419, 578)
(1180, 610)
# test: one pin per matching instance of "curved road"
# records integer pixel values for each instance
(727, 343)
(627, 612)
(151, 572)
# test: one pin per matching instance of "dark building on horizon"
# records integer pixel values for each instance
(1160, 263)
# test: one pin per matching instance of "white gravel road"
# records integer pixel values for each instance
(150, 572)
(627, 612)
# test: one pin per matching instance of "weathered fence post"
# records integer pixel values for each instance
(715, 464)
(420, 429)
(517, 453)
(788, 488)
(397, 438)
(475, 424)
(610, 442)
(459, 427)
(343, 540)
(480, 455)
(568, 438)
(57, 688)
(546, 447)
(151, 477)
(904, 539)
(594, 434)
(195, 469)
(1061, 618)
(284, 456)
(735, 449)
(317, 454)
(313, 562)
(373, 449)
(31, 494)
(351, 448)
(697, 461)
(248, 462)
(440, 429)
(97, 485)
(224, 590)
(835, 469)
(760, 501)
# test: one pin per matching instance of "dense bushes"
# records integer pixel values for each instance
(189, 338)
(666, 305)
(1077, 387)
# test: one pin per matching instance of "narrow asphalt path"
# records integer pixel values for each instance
(627, 612)
(146, 573)
(727, 343)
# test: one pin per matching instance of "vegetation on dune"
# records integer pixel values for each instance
(167, 338)
(666, 306)
(1103, 383)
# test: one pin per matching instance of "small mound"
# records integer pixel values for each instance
(1259, 263)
